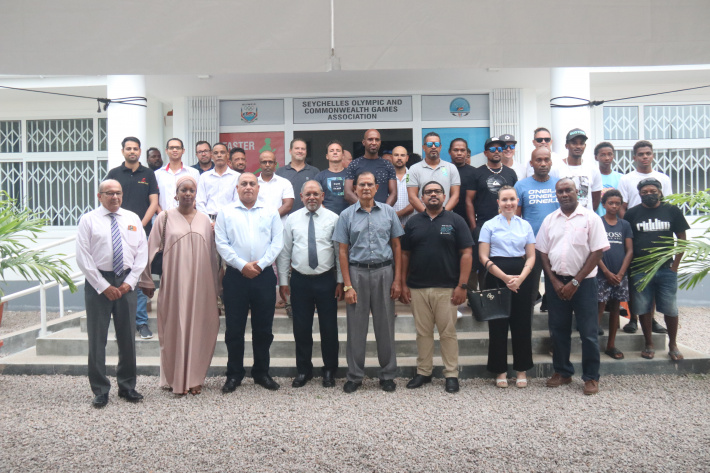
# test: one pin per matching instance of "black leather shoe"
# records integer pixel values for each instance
(100, 400)
(418, 381)
(301, 380)
(631, 327)
(328, 379)
(452, 385)
(231, 384)
(658, 328)
(267, 382)
(388, 385)
(130, 395)
(351, 387)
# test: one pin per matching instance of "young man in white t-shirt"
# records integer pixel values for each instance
(585, 174)
(643, 160)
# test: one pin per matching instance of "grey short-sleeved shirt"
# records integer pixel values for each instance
(445, 173)
(368, 233)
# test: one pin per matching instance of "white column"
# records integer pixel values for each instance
(124, 120)
(569, 82)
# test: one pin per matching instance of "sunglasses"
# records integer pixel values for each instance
(540, 140)
(493, 149)
(433, 144)
(509, 147)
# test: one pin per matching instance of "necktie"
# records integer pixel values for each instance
(312, 253)
(117, 246)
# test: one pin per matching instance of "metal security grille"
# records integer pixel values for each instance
(47, 136)
(203, 123)
(689, 169)
(621, 123)
(10, 136)
(505, 112)
(103, 134)
(676, 122)
(11, 179)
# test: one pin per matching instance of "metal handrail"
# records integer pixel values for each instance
(77, 278)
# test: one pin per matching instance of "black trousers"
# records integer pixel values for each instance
(98, 316)
(520, 322)
(240, 295)
(308, 293)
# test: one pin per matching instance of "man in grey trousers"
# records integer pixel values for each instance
(111, 251)
(370, 258)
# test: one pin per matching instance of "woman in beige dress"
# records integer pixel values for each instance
(188, 321)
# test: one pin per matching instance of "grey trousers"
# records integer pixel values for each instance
(98, 317)
(373, 294)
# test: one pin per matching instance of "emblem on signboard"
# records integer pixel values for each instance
(250, 112)
(459, 107)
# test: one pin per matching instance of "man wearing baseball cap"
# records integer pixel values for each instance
(650, 221)
(509, 155)
(585, 174)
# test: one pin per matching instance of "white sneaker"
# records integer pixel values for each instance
(459, 315)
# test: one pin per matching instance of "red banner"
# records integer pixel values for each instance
(254, 143)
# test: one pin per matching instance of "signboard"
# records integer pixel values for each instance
(251, 112)
(455, 107)
(352, 109)
(254, 143)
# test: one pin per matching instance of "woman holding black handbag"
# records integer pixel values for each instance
(507, 250)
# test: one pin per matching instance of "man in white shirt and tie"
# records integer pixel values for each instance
(111, 251)
(249, 237)
(312, 256)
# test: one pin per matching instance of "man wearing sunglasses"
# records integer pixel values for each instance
(543, 139)
(509, 156)
(432, 168)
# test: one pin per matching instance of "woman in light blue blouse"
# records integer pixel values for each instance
(507, 249)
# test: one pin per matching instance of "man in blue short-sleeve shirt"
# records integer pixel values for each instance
(385, 175)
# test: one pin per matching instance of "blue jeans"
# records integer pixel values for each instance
(584, 306)
(662, 289)
(141, 312)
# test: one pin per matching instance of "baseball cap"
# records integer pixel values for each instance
(651, 181)
(492, 140)
(507, 138)
(574, 133)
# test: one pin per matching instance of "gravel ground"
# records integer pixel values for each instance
(13, 320)
(316, 429)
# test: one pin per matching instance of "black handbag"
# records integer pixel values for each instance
(156, 266)
(490, 304)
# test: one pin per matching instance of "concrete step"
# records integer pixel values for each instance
(28, 362)
(73, 341)
(404, 322)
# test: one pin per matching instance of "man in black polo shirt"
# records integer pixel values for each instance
(436, 262)
(140, 196)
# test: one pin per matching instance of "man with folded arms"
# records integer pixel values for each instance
(370, 258)
(111, 251)
(436, 257)
(312, 256)
(571, 241)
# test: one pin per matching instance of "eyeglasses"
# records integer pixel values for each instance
(509, 147)
(175, 148)
(493, 149)
(540, 140)
(112, 194)
(433, 144)
(433, 192)
(204, 151)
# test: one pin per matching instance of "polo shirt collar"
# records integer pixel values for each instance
(374, 206)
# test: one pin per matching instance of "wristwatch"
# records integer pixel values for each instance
(464, 286)
(347, 288)
(575, 283)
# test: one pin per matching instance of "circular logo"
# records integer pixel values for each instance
(459, 107)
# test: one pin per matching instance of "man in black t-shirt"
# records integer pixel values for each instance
(650, 221)
(482, 196)
(140, 196)
(457, 152)
(436, 262)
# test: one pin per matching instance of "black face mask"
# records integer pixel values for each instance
(650, 200)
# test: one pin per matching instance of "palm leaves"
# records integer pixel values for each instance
(695, 264)
(18, 229)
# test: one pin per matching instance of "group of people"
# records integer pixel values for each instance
(371, 232)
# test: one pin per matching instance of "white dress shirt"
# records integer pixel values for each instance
(215, 191)
(243, 235)
(274, 191)
(167, 180)
(94, 249)
(295, 251)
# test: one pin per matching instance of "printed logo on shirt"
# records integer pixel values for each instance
(444, 172)
(143, 181)
(447, 229)
(541, 196)
(495, 182)
(614, 237)
(132, 228)
(335, 185)
(654, 225)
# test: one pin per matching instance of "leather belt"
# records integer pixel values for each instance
(371, 265)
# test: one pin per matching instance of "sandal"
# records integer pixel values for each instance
(675, 355)
(521, 383)
(196, 390)
(648, 353)
(501, 383)
(614, 353)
